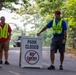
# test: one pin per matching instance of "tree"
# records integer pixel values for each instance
(69, 8)
(43, 11)
(1, 4)
(4, 2)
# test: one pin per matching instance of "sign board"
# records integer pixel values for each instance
(31, 51)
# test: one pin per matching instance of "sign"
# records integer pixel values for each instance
(31, 52)
(31, 57)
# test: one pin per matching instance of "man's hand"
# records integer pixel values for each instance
(43, 29)
(64, 41)
(38, 34)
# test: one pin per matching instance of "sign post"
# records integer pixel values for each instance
(31, 51)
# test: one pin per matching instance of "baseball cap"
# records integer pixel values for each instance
(57, 12)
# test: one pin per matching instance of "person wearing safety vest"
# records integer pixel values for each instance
(59, 27)
(5, 35)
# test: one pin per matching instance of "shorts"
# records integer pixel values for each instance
(4, 46)
(57, 45)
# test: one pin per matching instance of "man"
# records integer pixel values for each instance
(59, 27)
(5, 35)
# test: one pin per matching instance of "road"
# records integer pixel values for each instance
(14, 69)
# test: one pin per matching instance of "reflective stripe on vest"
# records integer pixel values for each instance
(57, 28)
(4, 31)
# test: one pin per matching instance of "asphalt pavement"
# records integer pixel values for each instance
(14, 68)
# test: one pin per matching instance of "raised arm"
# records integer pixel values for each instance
(43, 29)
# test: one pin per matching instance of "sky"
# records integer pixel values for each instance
(7, 15)
(9, 19)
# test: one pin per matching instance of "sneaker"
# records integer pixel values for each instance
(51, 67)
(6, 62)
(60, 67)
(1, 62)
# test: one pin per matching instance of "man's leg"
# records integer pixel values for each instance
(1, 52)
(61, 47)
(61, 58)
(52, 57)
(61, 61)
(6, 55)
(1, 55)
(6, 49)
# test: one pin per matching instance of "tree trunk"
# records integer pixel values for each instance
(1, 5)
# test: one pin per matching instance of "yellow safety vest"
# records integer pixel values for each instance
(4, 31)
(57, 28)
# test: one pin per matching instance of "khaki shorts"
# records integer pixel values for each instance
(4, 45)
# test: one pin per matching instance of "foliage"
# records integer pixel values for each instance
(49, 6)
(42, 12)
(15, 33)
(69, 9)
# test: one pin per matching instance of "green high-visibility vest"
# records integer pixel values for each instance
(4, 31)
(57, 28)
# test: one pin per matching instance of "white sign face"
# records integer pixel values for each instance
(31, 52)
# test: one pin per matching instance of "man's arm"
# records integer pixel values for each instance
(9, 35)
(43, 29)
(9, 31)
(65, 27)
(65, 36)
